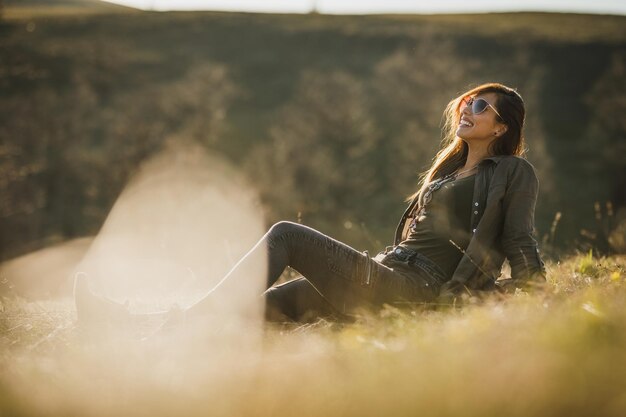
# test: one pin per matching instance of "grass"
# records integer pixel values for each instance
(546, 354)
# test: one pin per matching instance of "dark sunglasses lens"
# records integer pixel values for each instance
(479, 106)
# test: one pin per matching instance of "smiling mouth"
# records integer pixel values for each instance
(465, 123)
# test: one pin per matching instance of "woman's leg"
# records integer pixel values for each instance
(285, 244)
(326, 263)
(345, 277)
(297, 300)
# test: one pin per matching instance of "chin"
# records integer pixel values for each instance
(460, 135)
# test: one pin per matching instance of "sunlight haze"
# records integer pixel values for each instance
(378, 6)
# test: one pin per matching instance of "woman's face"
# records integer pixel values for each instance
(483, 126)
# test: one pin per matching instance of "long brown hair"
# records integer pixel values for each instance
(454, 150)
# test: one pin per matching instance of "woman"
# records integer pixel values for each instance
(474, 208)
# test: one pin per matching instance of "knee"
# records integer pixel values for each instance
(282, 228)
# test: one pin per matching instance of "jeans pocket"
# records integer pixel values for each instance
(406, 283)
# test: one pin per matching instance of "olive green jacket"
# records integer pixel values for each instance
(502, 225)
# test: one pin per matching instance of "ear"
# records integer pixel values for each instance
(501, 129)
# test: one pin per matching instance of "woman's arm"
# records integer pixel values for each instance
(518, 243)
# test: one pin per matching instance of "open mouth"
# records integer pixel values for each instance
(465, 123)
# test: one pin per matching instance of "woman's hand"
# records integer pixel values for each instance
(536, 281)
(450, 292)
(505, 286)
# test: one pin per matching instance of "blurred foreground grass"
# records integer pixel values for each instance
(562, 352)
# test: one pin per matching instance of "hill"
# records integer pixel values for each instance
(22, 9)
(331, 117)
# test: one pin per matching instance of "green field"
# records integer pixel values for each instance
(556, 353)
(329, 117)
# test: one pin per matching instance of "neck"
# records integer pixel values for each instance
(475, 155)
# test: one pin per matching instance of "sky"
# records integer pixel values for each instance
(384, 6)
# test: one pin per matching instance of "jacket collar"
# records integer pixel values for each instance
(495, 159)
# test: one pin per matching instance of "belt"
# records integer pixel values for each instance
(404, 254)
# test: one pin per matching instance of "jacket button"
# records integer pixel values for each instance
(473, 230)
(476, 204)
(475, 212)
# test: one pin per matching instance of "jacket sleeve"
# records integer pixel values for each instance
(518, 241)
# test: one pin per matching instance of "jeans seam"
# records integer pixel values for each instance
(272, 240)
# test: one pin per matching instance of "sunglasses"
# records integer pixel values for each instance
(478, 105)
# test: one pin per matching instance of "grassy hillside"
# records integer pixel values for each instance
(331, 117)
(26, 9)
(560, 352)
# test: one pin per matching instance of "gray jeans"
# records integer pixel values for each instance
(338, 280)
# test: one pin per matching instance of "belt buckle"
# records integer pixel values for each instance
(403, 254)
